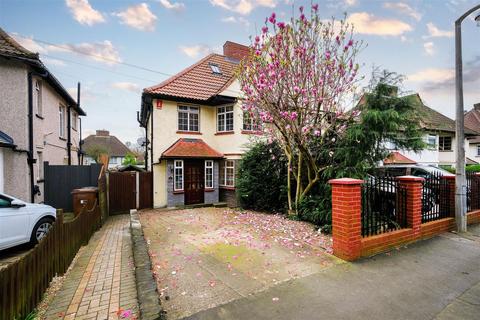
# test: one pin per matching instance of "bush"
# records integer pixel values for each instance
(473, 168)
(262, 178)
(317, 207)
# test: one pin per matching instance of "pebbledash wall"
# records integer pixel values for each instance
(348, 243)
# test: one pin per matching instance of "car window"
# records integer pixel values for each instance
(395, 172)
(4, 203)
(417, 172)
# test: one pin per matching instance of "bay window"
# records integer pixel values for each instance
(178, 175)
(227, 173)
(209, 174)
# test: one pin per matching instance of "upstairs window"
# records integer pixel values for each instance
(215, 68)
(209, 174)
(225, 118)
(74, 120)
(249, 123)
(188, 118)
(431, 141)
(61, 116)
(178, 175)
(38, 98)
(445, 143)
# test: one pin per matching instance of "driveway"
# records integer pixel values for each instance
(206, 257)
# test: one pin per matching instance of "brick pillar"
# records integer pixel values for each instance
(413, 186)
(447, 195)
(346, 218)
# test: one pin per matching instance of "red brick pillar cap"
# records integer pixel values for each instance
(410, 179)
(345, 181)
(449, 177)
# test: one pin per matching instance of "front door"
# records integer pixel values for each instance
(194, 181)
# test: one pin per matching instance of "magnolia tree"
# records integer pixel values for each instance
(294, 82)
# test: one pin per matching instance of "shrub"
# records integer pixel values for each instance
(317, 207)
(262, 177)
(473, 168)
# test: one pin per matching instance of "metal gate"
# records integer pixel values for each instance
(130, 190)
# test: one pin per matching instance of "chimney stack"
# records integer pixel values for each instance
(235, 51)
(103, 133)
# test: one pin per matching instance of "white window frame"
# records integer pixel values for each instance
(253, 127)
(208, 166)
(429, 145)
(225, 113)
(178, 164)
(189, 111)
(61, 115)
(225, 170)
(38, 98)
(39, 165)
(215, 68)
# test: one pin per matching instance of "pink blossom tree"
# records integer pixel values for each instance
(294, 83)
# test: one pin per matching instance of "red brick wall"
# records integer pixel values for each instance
(473, 217)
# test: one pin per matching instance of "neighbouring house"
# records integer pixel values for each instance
(472, 121)
(197, 131)
(39, 121)
(102, 140)
(439, 137)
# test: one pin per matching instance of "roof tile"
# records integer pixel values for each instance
(191, 148)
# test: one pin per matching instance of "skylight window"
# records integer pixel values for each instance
(215, 68)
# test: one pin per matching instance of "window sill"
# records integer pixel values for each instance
(39, 116)
(221, 133)
(188, 132)
(40, 180)
(227, 187)
(209, 189)
(61, 138)
(178, 191)
(258, 133)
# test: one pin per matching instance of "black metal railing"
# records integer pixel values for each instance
(384, 204)
(473, 191)
(435, 198)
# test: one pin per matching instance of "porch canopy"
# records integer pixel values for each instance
(6, 140)
(191, 148)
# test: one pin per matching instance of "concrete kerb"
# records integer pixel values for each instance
(148, 298)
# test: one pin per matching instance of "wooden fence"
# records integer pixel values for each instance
(23, 283)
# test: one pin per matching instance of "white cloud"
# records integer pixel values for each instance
(177, 6)
(103, 52)
(404, 9)
(85, 95)
(129, 86)
(54, 62)
(243, 6)
(429, 48)
(366, 23)
(84, 13)
(196, 50)
(433, 31)
(350, 3)
(239, 20)
(139, 17)
(432, 75)
(29, 44)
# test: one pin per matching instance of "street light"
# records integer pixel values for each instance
(460, 181)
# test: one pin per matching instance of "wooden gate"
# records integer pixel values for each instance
(122, 191)
(145, 189)
(130, 190)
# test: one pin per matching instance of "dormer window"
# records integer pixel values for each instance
(215, 68)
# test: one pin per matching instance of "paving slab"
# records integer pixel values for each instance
(101, 284)
(205, 257)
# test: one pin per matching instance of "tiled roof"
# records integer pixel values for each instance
(115, 147)
(10, 47)
(198, 81)
(472, 119)
(434, 120)
(397, 158)
(191, 148)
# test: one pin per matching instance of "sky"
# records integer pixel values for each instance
(117, 48)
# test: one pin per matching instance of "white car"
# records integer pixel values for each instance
(22, 222)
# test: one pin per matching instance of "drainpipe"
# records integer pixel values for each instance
(69, 134)
(30, 158)
(79, 151)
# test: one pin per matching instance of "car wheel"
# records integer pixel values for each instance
(40, 230)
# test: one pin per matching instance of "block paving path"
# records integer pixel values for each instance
(101, 284)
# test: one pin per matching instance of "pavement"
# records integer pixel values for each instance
(437, 278)
(101, 283)
(205, 257)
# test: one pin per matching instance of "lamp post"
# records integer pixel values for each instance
(460, 180)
